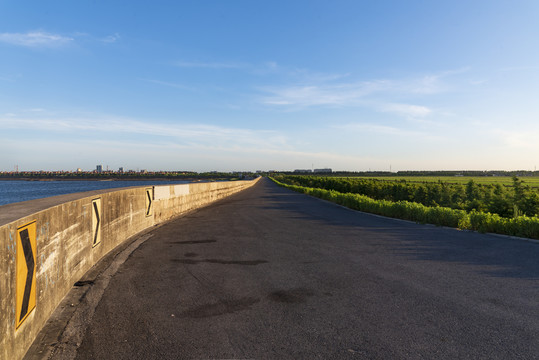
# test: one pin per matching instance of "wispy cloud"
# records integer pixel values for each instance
(35, 39)
(406, 109)
(360, 94)
(261, 69)
(532, 68)
(43, 39)
(478, 82)
(108, 39)
(186, 133)
(315, 95)
(215, 146)
(111, 38)
(383, 130)
(210, 65)
(169, 84)
(428, 84)
(403, 97)
(309, 77)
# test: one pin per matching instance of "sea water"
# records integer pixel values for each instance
(12, 191)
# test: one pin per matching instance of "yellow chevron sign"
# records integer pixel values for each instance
(96, 221)
(26, 271)
(149, 201)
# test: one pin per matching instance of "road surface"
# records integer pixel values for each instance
(273, 274)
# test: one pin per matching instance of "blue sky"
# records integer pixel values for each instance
(248, 85)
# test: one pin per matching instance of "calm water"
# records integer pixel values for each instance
(15, 191)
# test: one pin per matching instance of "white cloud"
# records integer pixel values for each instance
(315, 95)
(478, 82)
(330, 90)
(429, 84)
(406, 98)
(191, 134)
(35, 39)
(532, 68)
(109, 39)
(343, 95)
(406, 109)
(382, 130)
(160, 145)
(63, 153)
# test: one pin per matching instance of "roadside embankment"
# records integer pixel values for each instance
(49, 244)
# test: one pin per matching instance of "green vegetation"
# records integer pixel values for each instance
(504, 200)
(339, 190)
(531, 181)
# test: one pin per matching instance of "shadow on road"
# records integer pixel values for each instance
(497, 256)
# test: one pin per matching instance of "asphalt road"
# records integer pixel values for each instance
(273, 274)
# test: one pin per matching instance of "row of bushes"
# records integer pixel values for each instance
(505, 201)
(522, 226)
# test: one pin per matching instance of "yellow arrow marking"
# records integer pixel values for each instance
(149, 201)
(96, 221)
(26, 272)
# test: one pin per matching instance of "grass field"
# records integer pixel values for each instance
(531, 181)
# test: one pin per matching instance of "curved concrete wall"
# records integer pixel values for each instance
(43, 253)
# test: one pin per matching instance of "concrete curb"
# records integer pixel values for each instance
(63, 334)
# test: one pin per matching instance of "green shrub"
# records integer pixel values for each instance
(484, 222)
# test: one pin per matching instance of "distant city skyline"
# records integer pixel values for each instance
(245, 85)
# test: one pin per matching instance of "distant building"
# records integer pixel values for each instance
(121, 170)
(303, 171)
(79, 170)
(99, 168)
(325, 171)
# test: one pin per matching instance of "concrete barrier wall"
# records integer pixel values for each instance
(44, 253)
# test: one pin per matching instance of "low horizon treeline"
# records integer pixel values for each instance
(418, 173)
(165, 175)
(510, 201)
